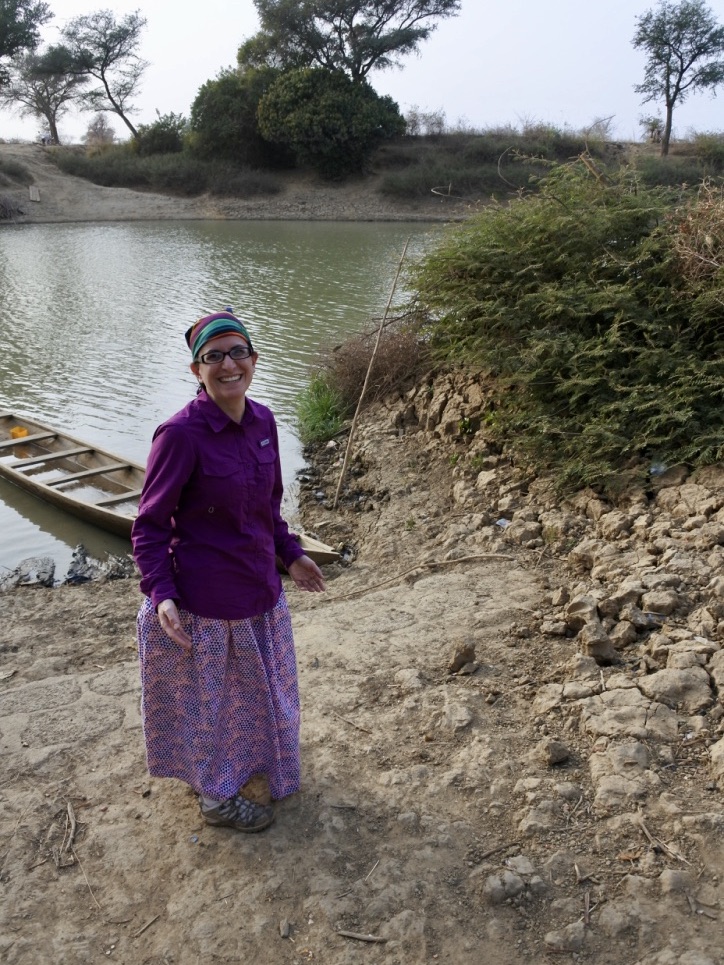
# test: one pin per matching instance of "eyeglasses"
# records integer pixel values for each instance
(236, 354)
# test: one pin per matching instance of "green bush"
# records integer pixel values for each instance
(164, 136)
(587, 304)
(320, 411)
(709, 149)
(13, 171)
(670, 171)
(329, 122)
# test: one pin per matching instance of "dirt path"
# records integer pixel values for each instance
(64, 198)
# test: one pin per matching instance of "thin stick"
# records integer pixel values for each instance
(367, 378)
(362, 938)
(147, 925)
(422, 566)
(501, 847)
(373, 868)
(351, 723)
(80, 865)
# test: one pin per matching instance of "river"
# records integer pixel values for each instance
(92, 318)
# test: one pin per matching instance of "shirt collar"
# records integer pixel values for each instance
(216, 417)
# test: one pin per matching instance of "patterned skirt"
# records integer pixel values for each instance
(228, 709)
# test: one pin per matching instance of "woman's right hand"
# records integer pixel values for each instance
(171, 624)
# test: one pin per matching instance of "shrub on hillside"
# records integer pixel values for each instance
(608, 352)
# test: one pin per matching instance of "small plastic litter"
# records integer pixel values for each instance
(657, 469)
(503, 523)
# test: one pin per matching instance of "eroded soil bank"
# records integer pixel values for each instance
(512, 737)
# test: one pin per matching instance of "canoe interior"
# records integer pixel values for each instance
(85, 480)
(69, 473)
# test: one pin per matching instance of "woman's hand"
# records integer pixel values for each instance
(171, 624)
(307, 575)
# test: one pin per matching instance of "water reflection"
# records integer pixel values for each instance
(92, 320)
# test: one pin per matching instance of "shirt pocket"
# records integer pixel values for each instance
(223, 482)
(265, 459)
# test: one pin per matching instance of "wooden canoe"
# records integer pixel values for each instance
(89, 482)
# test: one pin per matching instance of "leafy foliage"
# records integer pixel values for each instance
(43, 86)
(20, 23)
(106, 50)
(685, 48)
(164, 136)
(351, 36)
(224, 120)
(320, 411)
(607, 347)
(328, 121)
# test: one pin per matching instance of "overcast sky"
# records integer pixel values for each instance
(565, 63)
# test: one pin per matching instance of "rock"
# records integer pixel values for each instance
(456, 717)
(627, 713)
(689, 690)
(34, 571)
(614, 525)
(561, 596)
(552, 752)
(498, 888)
(593, 641)
(674, 882)
(623, 635)
(464, 654)
(580, 611)
(716, 753)
(661, 601)
(547, 697)
(639, 619)
(409, 680)
(568, 939)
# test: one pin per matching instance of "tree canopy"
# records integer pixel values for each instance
(20, 23)
(327, 120)
(685, 49)
(351, 36)
(107, 50)
(43, 86)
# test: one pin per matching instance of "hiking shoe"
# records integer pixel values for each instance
(238, 813)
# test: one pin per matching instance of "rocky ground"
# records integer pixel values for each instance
(512, 738)
(512, 724)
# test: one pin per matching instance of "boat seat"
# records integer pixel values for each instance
(50, 456)
(131, 494)
(25, 439)
(87, 473)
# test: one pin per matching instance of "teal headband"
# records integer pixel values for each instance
(208, 327)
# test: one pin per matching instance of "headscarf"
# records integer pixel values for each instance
(208, 327)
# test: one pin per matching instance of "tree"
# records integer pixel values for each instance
(224, 119)
(352, 36)
(20, 22)
(327, 120)
(99, 133)
(684, 44)
(42, 85)
(107, 51)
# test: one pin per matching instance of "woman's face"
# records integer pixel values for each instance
(226, 382)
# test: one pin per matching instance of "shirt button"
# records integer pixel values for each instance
(211, 509)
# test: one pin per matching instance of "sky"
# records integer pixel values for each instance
(564, 63)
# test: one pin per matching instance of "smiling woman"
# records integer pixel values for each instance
(215, 622)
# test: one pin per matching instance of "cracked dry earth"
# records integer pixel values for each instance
(494, 769)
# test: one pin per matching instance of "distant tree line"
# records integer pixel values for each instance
(300, 91)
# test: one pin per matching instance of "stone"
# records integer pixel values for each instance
(661, 601)
(552, 752)
(499, 887)
(580, 611)
(689, 690)
(716, 753)
(623, 635)
(568, 939)
(593, 641)
(561, 596)
(627, 713)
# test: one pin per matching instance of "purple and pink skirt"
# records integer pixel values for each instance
(228, 709)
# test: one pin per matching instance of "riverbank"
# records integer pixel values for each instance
(512, 734)
(64, 198)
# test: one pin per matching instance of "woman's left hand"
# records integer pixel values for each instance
(307, 575)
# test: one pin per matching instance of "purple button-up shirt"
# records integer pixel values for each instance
(209, 525)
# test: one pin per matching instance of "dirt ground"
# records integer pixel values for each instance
(452, 806)
(303, 197)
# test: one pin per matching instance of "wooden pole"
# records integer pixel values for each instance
(367, 378)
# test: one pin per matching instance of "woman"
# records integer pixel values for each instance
(218, 670)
